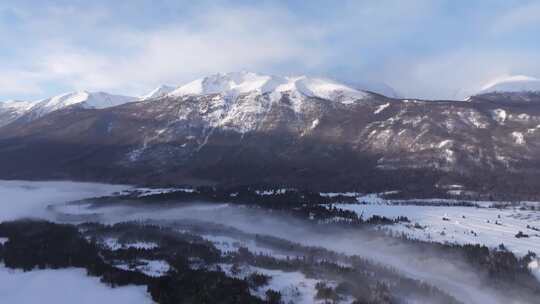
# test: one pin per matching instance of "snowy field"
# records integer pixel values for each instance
(64, 286)
(228, 244)
(294, 286)
(142, 192)
(152, 268)
(461, 225)
(450, 277)
(114, 244)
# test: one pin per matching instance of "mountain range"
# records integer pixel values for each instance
(247, 128)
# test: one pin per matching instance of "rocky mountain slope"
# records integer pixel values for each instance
(245, 128)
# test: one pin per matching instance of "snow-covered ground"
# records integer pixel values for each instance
(153, 268)
(379, 198)
(270, 192)
(450, 277)
(462, 225)
(430, 222)
(154, 191)
(294, 286)
(114, 244)
(29, 199)
(65, 286)
(336, 194)
(228, 244)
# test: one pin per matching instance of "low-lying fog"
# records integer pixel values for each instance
(454, 278)
(26, 198)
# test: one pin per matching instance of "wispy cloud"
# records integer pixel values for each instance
(458, 73)
(522, 17)
(429, 49)
(222, 39)
(20, 82)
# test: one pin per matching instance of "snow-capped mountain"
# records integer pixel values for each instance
(16, 105)
(509, 89)
(231, 85)
(246, 127)
(83, 99)
(12, 109)
(158, 92)
(240, 101)
(512, 84)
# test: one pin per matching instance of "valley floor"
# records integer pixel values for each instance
(483, 225)
(261, 239)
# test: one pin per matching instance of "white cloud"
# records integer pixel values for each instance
(457, 74)
(134, 61)
(418, 47)
(20, 82)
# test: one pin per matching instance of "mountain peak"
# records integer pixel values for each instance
(92, 100)
(15, 103)
(233, 84)
(512, 84)
(160, 91)
(17, 106)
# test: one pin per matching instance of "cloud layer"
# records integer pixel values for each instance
(422, 48)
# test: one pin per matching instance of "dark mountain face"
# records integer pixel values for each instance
(375, 144)
(513, 98)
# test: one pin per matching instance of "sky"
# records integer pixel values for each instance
(432, 49)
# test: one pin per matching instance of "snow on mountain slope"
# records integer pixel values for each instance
(246, 101)
(12, 109)
(518, 83)
(233, 84)
(160, 91)
(89, 100)
(17, 106)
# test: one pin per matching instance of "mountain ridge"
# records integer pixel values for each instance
(160, 91)
(515, 83)
(229, 84)
(225, 137)
(233, 84)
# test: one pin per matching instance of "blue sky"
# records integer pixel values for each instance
(422, 48)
